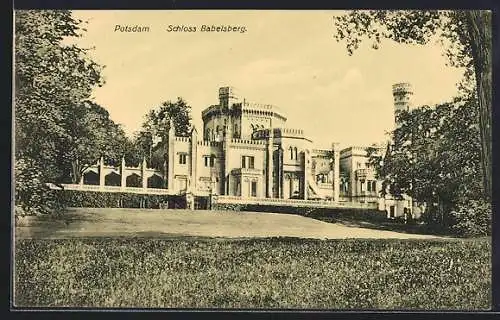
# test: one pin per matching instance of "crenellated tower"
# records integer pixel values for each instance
(402, 93)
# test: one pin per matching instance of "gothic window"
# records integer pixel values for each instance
(182, 158)
(291, 153)
(295, 153)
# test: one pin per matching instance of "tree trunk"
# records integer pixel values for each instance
(479, 32)
(76, 172)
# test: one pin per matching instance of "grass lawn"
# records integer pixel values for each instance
(191, 272)
(113, 222)
(218, 259)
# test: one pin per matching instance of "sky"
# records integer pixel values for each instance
(285, 58)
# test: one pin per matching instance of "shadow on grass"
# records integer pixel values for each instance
(387, 225)
(48, 225)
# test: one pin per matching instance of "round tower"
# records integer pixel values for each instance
(402, 93)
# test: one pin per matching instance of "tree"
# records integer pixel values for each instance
(52, 79)
(90, 135)
(157, 121)
(150, 142)
(466, 36)
(435, 155)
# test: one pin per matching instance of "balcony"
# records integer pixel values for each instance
(365, 174)
(247, 172)
(361, 174)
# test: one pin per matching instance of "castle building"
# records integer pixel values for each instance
(247, 150)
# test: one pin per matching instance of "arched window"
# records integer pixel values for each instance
(295, 153)
(291, 153)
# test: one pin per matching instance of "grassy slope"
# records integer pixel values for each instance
(259, 273)
(93, 222)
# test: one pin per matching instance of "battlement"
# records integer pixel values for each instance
(210, 109)
(402, 88)
(321, 152)
(208, 143)
(247, 142)
(278, 132)
(182, 139)
(259, 106)
(292, 132)
(358, 151)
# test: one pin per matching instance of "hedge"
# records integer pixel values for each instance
(93, 199)
(365, 214)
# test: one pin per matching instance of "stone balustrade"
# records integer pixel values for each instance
(295, 202)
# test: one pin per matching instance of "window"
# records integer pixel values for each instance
(254, 188)
(374, 186)
(291, 153)
(369, 185)
(295, 153)
(209, 161)
(182, 158)
(362, 186)
(248, 162)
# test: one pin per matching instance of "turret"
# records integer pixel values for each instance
(402, 93)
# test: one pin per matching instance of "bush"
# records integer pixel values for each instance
(363, 214)
(472, 218)
(32, 196)
(93, 199)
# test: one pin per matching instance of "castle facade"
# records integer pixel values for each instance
(246, 150)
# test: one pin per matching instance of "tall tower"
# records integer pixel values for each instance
(227, 96)
(402, 93)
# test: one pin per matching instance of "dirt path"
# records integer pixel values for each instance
(110, 222)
